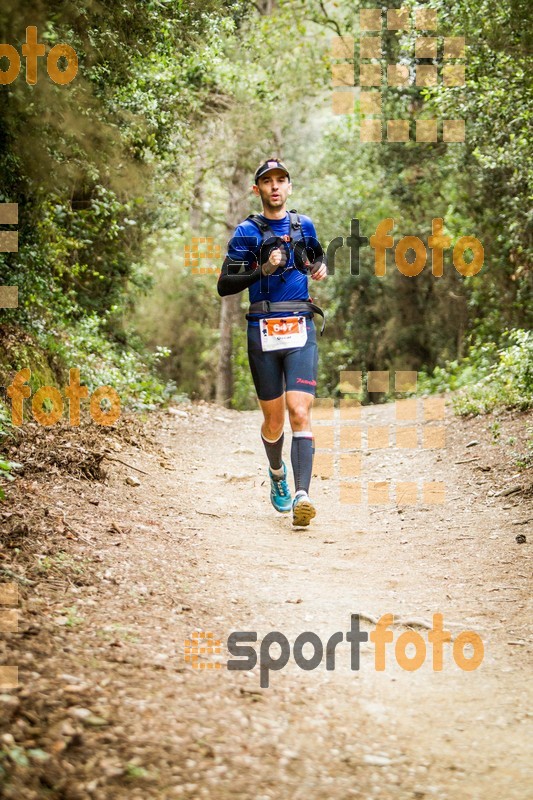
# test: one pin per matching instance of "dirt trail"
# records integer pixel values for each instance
(197, 546)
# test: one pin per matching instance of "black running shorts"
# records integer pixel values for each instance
(292, 370)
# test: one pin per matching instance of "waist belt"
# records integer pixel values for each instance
(296, 306)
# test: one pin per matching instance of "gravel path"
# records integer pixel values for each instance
(109, 700)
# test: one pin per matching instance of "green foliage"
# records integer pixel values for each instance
(181, 314)
(489, 377)
(244, 396)
(481, 188)
(131, 372)
(90, 165)
(134, 772)
(6, 468)
(73, 619)
(524, 458)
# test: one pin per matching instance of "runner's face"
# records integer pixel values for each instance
(274, 188)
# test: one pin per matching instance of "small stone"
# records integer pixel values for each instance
(238, 477)
(176, 412)
(62, 728)
(473, 443)
(95, 721)
(80, 713)
(38, 755)
(66, 676)
(377, 761)
(131, 480)
(76, 688)
(521, 539)
(111, 768)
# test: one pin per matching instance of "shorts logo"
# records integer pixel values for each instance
(308, 383)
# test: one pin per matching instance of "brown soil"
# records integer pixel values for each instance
(113, 579)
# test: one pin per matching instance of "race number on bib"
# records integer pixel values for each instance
(282, 333)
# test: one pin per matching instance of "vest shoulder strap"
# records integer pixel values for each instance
(257, 220)
(297, 227)
(266, 231)
(295, 220)
(264, 227)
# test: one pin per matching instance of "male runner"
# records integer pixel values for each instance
(271, 255)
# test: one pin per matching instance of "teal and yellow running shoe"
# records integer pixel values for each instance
(303, 510)
(280, 494)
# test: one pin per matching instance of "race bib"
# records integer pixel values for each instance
(280, 333)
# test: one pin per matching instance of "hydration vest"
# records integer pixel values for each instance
(271, 241)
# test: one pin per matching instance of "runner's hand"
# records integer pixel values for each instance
(277, 258)
(318, 271)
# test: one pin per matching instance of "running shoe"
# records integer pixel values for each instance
(280, 494)
(303, 510)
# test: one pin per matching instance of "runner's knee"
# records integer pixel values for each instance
(299, 417)
(272, 430)
(273, 424)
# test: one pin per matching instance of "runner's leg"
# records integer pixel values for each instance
(302, 449)
(272, 432)
(301, 368)
(269, 381)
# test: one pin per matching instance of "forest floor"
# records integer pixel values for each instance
(113, 579)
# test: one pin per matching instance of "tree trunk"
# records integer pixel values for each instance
(266, 7)
(237, 207)
(195, 219)
(228, 314)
